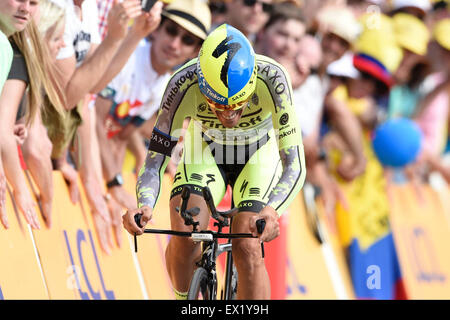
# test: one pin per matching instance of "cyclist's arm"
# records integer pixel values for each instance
(176, 105)
(285, 123)
(149, 179)
(291, 181)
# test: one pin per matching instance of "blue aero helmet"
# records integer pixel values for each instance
(226, 68)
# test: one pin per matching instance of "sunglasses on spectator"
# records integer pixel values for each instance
(186, 39)
(267, 8)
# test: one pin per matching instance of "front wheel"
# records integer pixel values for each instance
(202, 287)
(234, 282)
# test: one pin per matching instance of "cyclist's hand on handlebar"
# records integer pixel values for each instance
(271, 229)
(130, 224)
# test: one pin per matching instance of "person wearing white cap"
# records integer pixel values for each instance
(357, 86)
(127, 107)
(344, 67)
(339, 29)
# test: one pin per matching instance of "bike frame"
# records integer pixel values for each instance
(211, 249)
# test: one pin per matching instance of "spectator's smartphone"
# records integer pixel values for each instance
(147, 4)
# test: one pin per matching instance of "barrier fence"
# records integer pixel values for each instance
(307, 261)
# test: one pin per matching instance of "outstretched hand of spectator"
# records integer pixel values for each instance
(27, 205)
(104, 233)
(350, 168)
(20, 133)
(119, 17)
(332, 194)
(71, 177)
(147, 22)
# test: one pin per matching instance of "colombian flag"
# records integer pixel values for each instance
(364, 228)
(365, 232)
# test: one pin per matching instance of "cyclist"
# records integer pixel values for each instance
(243, 132)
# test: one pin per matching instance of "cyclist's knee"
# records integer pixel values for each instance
(182, 247)
(247, 252)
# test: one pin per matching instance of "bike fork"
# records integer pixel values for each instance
(228, 275)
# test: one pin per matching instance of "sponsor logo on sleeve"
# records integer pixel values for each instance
(162, 143)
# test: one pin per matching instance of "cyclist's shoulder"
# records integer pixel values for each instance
(187, 73)
(273, 75)
(181, 81)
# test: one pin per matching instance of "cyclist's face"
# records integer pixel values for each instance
(230, 117)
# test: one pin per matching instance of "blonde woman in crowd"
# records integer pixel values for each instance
(37, 147)
(61, 127)
(32, 70)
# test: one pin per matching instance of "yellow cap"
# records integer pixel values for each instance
(378, 41)
(441, 33)
(412, 34)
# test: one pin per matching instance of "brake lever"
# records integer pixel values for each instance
(260, 225)
(137, 219)
(209, 201)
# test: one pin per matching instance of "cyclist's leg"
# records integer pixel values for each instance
(182, 253)
(250, 194)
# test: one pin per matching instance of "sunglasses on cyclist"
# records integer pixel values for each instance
(187, 39)
(222, 107)
(267, 8)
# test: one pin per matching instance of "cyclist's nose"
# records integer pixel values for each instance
(228, 113)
